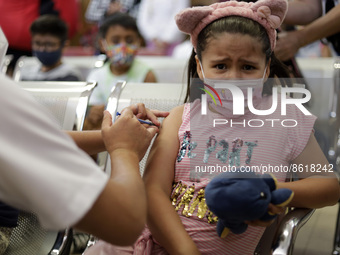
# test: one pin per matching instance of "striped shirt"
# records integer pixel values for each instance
(271, 144)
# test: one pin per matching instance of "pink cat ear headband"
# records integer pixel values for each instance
(269, 13)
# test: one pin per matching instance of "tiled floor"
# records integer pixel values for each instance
(317, 235)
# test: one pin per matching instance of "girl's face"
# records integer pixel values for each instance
(233, 56)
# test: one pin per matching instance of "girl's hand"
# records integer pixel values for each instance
(272, 209)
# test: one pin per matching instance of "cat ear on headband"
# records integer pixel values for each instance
(188, 19)
(273, 11)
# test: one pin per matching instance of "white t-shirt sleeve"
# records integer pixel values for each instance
(42, 170)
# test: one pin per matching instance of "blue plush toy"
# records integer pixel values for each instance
(238, 197)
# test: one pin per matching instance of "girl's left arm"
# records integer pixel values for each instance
(318, 186)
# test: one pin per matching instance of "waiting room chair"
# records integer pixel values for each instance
(7, 60)
(83, 63)
(67, 103)
(323, 77)
(166, 69)
(3, 49)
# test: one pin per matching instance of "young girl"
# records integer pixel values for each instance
(120, 40)
(233, 43)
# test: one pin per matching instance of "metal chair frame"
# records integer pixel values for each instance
(166, 69)
(83, 63)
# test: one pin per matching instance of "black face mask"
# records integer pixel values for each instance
(48, 58)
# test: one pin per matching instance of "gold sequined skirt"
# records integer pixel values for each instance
(190, 202)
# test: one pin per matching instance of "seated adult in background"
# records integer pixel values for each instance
(49, 38)
(320, 19)
(120, 40)
(97, 10)
(157, 25)
(42, 168)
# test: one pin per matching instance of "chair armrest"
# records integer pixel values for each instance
(288, 229)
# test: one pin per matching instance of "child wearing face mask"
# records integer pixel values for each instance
(233, 49)
(49, 38)
(120, 40)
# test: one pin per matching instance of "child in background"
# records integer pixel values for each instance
(233, 44)
(49, 38)
(120, 40)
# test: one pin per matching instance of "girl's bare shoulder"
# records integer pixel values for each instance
(175, 117)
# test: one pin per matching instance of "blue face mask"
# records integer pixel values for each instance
(48, 58)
